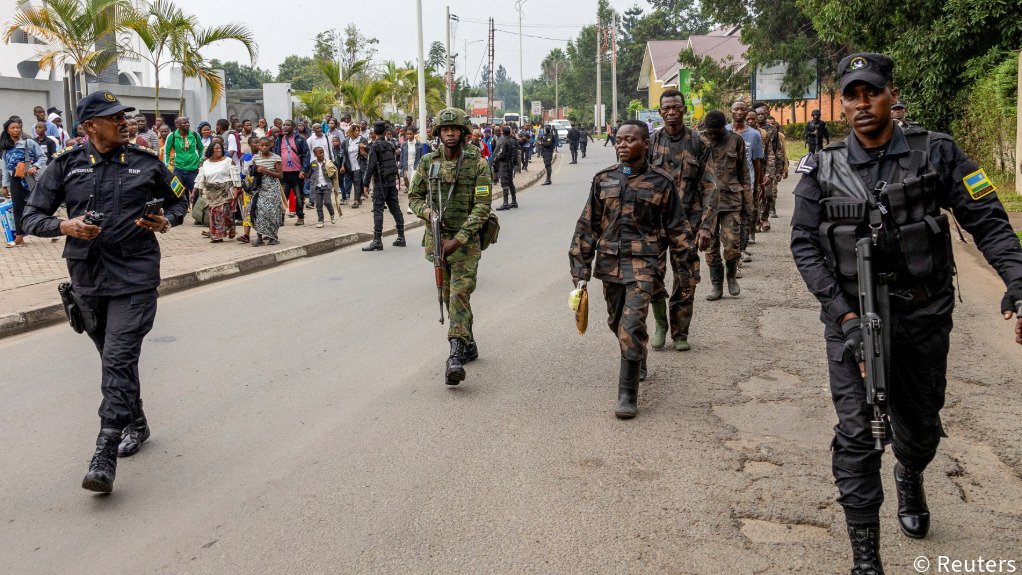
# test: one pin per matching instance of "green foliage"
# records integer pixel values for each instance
(357, 46)
(242, 76)
(301, 72)
(720, 84)
(633, 108)
(315, 104)
(797, 131)
(986, 124)
(436, 59)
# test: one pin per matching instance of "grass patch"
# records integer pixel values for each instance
(1012, 202)
(795, 149)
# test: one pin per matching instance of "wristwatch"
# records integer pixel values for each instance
(165, 227)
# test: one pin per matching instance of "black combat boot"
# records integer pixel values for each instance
(642, 370)
(470, 352)
(628, 390)
(913, 514)
(865, 550)
(103, 468)
(455, 370)
(133, 436)
(514, 201)
(505, 205)
(400, 241)
(716, 283)
(374, 246)
(732, 281)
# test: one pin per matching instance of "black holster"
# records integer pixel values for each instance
(81, 317)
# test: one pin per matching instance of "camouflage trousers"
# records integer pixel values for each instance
(685, 266)
(728, 235)
(459, 283)
(766, 202)
(627, 306)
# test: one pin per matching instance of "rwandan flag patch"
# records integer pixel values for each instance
(978, 184)
(482, 191)
(176, 186)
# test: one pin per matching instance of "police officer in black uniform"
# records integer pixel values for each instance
(899, 180)
(381, 168)
(114, 265)
(507, 156)
(574, 137)
(547, 144)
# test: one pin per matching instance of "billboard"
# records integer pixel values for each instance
(766, 84)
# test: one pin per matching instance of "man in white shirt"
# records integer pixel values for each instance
(320, 140)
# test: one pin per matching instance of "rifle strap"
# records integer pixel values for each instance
(883, 295)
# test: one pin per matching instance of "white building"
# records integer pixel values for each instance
(19, 58)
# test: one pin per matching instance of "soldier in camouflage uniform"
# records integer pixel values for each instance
(728, 163)
(632, 214)
(776, 164)
(679, 151)
(466, 194)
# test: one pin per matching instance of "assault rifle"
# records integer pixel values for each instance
(436, 216)
(873, 304)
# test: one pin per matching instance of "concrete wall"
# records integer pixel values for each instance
(277, 101)
(19, 95)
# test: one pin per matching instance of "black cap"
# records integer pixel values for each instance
(98, 104)
(54, 110)
(898, 104)
(874, 69)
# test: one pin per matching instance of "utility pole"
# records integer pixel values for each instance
(422, 75)
(599, 83)
(489, 79)
(613, 69)
(521, 66)
(447, 55)
(557, 78)
(1018, 133)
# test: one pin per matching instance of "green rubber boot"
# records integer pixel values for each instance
(681, 345)
(659, 337)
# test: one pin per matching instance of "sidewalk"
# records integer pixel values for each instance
(29, 275)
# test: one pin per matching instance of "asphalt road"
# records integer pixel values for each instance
(301, 425)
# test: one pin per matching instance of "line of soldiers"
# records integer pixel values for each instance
(884, 187)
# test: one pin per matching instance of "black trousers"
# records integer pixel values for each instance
(574, 151)
(548, 160)
(582, 147)
(918, 380)
(122, 324)
(292, 183)
(19, 195)
(507, 181)
(386, 196)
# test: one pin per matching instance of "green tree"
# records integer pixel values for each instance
(301, 72)
(189, 52)
(315, 104)
(719, 84)
(357, 46)
(326, 45)
(242, 76)
(75, 34)
(554, 66)
(436, 59)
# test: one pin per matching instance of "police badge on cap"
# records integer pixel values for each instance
(874, 69)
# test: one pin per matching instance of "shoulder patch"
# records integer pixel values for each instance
(176, 186)
(806, 165)
(138, 148)
(63, 151)
(978, 184)
(482, 191)
(607, 169)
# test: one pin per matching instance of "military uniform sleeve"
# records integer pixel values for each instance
(743, 177)
(46, 197)
(417, 200)
(482, 196)
(984, 217)
(588, 231)
(674, 219)
(168, 187)
(808, 253)
(710, 201)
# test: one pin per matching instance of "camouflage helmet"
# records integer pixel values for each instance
(452, 117)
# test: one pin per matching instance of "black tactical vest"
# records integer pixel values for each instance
(386, 159)
(913, 239)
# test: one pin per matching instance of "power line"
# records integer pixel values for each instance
(533, 36)
(526, 25)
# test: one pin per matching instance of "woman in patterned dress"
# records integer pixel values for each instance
(268, 213)
(220, 183)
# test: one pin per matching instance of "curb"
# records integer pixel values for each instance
(21, 322)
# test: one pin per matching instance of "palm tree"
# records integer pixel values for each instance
(162, 26)
(188, 52)
(398, 78)
(337, 73)
(434, 92)
(364, 95)
(75, 34)
(315, 103)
